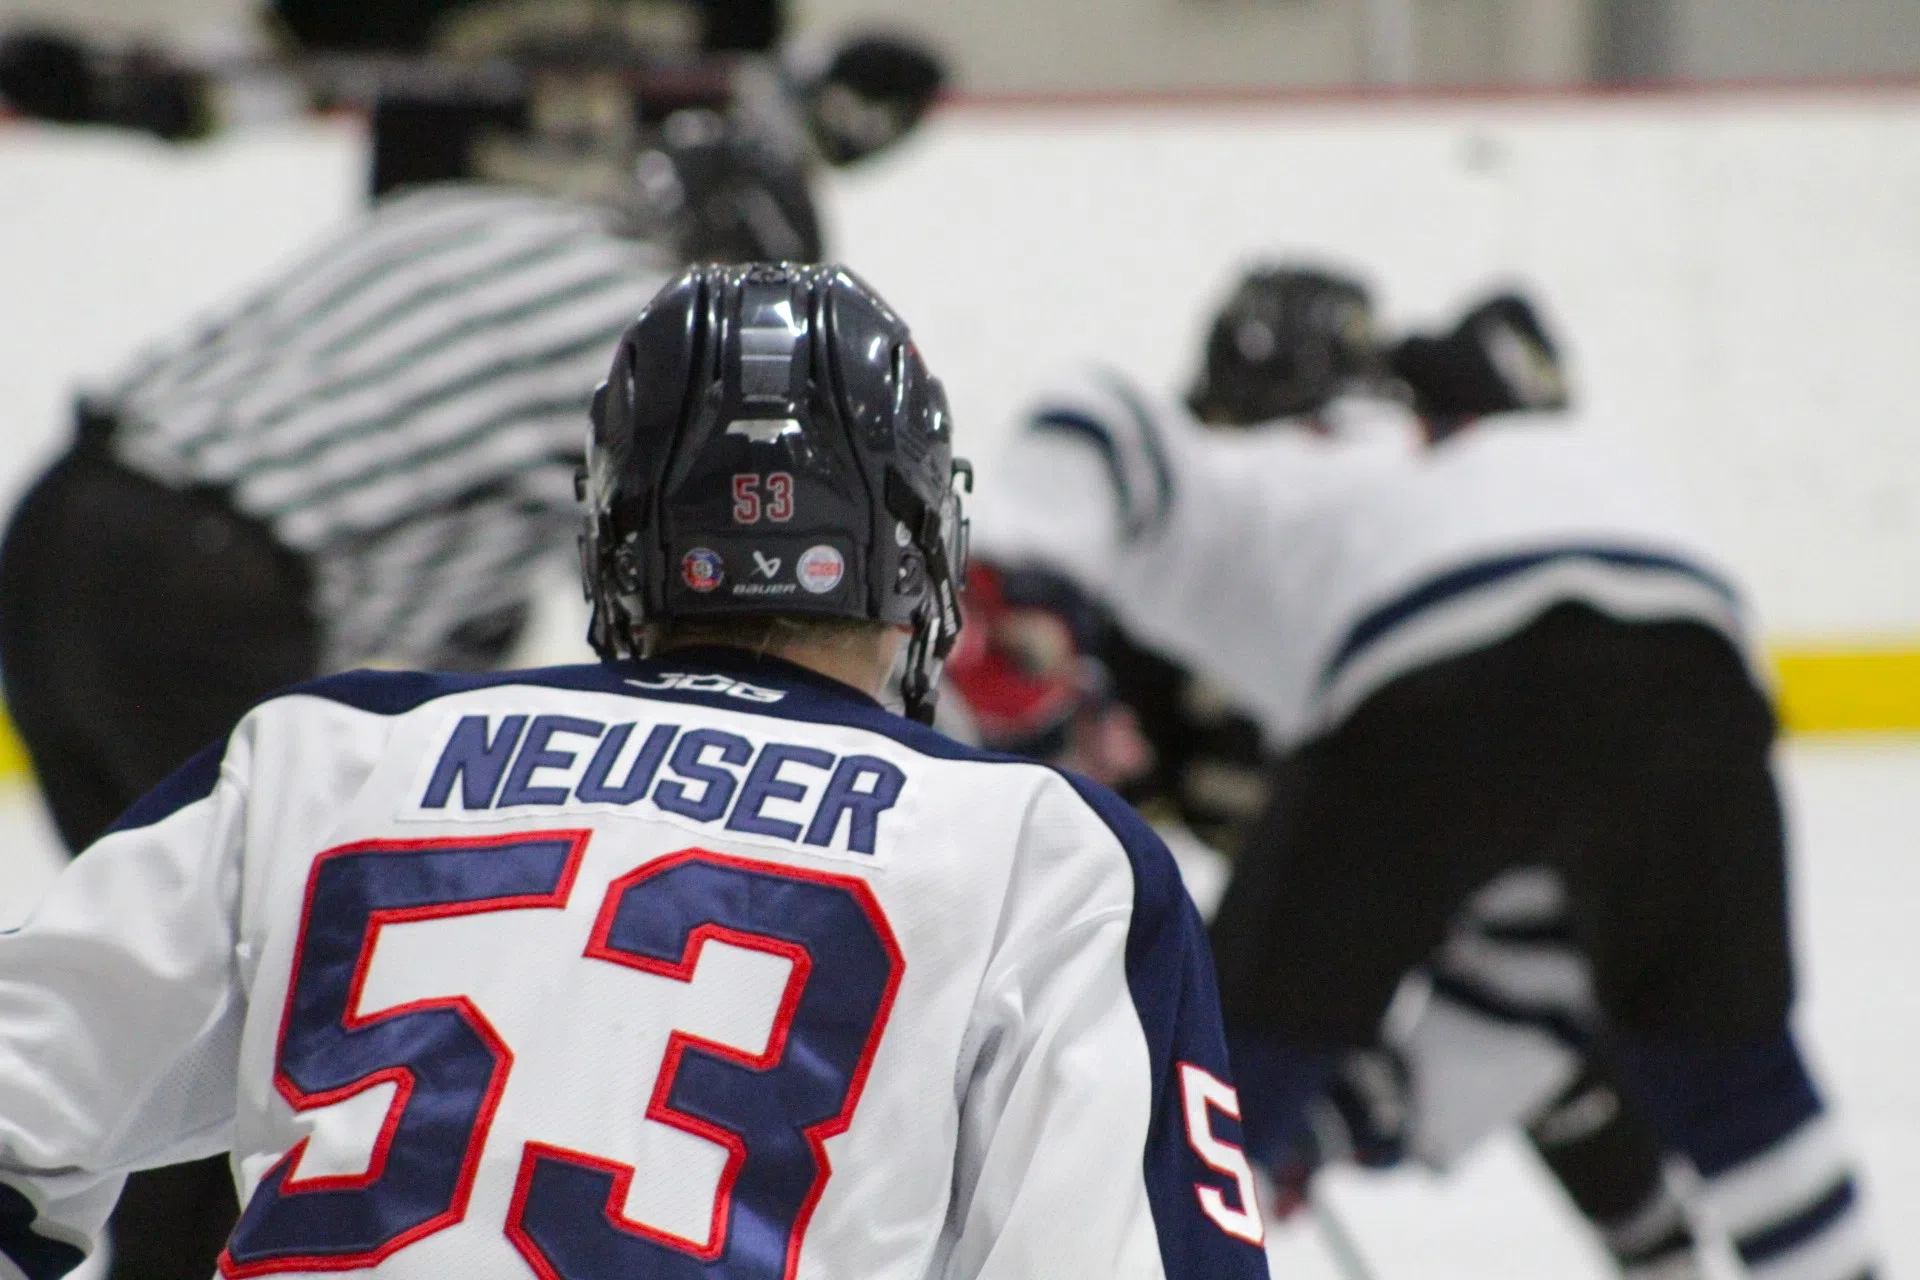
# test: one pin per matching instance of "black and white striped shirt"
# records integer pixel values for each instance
(405, 407)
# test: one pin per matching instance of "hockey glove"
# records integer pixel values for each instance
(871, 93)
(1362, 1116)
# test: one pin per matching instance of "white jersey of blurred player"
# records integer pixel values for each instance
(1307, 576)
(619, 970)
(1351, 537)
(1303, 570)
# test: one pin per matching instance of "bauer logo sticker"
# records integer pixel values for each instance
(764, 567)
(702, 569)
(821, 569)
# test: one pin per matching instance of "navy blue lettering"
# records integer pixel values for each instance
(534, 756)
(863, 807)
(450, 1062)
(593, 788)
(568, 1218)
(475, 760)
(720, 783)
(764, 783)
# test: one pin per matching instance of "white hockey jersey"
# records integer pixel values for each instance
(698, 967)
(1303, 572)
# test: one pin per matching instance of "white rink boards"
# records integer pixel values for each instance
(1732, 272)
(1857, 887)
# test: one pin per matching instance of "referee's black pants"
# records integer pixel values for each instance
(137, 624)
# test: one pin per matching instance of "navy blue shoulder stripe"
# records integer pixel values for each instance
(1150, 441)
(1136, 516)
(1091, 429)
(394, 693)
(381, 692)
(1483, 573)
(191, 782)
(1170, 977)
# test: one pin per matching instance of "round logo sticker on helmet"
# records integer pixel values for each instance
(820, 569)
(702, 570)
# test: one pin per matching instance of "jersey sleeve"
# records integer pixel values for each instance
(1191, 536)
(1099, 1123)
(120, 1017)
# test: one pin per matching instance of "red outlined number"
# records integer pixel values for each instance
(1199, 1091)
(748, 506)
(447, 1063)
(779, 497)
(746, 498)
(771, 1110)
(845, 969)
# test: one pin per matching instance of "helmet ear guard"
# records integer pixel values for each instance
(770, 442)
(940, 535)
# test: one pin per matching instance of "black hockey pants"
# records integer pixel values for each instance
(1634, 757)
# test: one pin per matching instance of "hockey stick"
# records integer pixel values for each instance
(1347, 1258)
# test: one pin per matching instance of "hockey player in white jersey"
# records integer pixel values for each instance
(692, 963)
(1505, 1031)
(1501, 652)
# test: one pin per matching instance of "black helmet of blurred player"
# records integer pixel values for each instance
(704, 185)
(770, 442)
(716, 191)
(1498, 359)
(1287, 342)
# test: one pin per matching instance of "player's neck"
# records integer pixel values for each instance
(862, 664)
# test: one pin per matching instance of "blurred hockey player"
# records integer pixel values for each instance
(367, 463)
(421, 948)
(1048, 672)
(1294, 343)
(1502, 653)
(1295, 349)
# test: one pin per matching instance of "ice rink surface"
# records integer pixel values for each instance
(1856, 810)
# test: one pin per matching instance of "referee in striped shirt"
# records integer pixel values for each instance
(364, 464)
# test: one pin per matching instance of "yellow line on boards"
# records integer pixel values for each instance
(13, 756)
(1849, 689)
(1823, 689)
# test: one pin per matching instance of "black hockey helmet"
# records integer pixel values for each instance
(1286, 342)
(770, 441)
(717, 190)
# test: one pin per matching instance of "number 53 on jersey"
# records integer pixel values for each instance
(770, 1107)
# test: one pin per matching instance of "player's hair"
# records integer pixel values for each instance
(759, 634)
